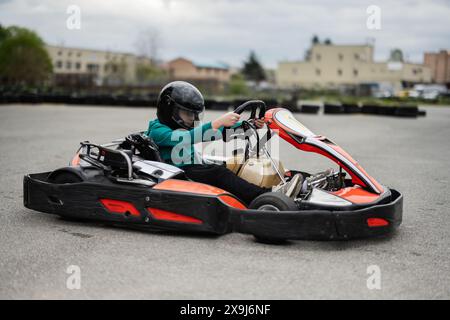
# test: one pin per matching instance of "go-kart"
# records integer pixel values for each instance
(126, 182)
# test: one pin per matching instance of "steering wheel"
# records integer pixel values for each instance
(252, 105)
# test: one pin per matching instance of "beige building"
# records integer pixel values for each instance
(332, 66)
(184, 69)
(439, 63)
(94, 66)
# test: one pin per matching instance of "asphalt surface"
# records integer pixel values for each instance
(36, 249)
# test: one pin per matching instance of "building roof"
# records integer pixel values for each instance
(214, 65)
(217, 65)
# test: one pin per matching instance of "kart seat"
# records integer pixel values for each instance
(116, 160)
(146, 147)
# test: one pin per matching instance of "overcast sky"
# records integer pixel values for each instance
(226, 30)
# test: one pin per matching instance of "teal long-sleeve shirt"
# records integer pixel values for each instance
(177, 146)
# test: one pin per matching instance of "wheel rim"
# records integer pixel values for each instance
(268, 207)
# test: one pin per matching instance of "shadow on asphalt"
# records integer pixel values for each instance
(323, 245)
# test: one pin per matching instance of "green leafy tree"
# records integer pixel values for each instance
(396, 55)
(4, 33)
(237, 85)
(23, 57)
(253, 69)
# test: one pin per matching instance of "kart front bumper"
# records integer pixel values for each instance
(322, 224)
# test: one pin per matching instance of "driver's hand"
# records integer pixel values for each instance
(259, 123)
(227, 120)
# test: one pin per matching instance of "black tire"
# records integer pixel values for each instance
(332, 109)
(65, 177)
(351, 108)
(406, 111)
(421, 113)
(272, 201)
(311, 109)
(369, 109)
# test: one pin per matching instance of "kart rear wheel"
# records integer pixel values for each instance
(272, 201)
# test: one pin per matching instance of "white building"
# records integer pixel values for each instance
(332, 66)
(100, 67)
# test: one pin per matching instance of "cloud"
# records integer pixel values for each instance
(227, 30)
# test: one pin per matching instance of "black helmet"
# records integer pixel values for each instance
(179, 105)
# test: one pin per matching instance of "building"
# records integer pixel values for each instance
(439, 63)
(336, 66)
(210, 75)
(85, 67)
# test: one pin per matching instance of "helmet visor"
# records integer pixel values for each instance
(187, 118)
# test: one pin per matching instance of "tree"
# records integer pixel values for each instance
(148, 44)
(147, 73)
(23, 57)
(396, 55)
(252, 69)
(327, 42)
(4, 33)
(237, 85)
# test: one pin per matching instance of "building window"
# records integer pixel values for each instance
(341, 57)
(59, 53)
(69, 54)
(355, 72)
(339, 72)
(78, 66)
(92, 68)
(318, 72)
(318, 57)
(59, 64)
(68, 65)
(79, 54)
(356, 56)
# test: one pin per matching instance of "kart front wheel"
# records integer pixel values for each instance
(272, 201)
